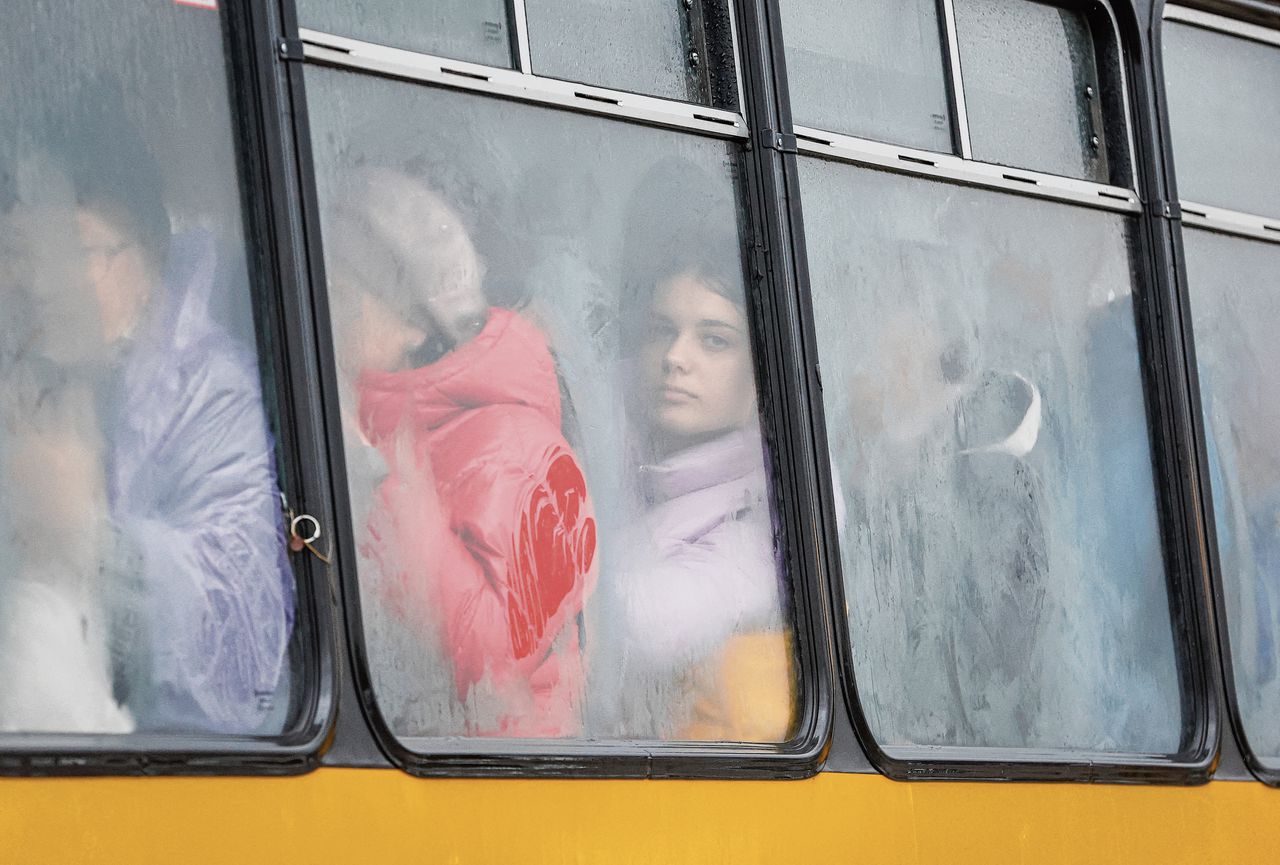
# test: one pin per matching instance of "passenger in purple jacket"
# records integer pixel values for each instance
(704, 571)
(200, 595)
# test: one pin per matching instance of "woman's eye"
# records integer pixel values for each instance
(714, 342)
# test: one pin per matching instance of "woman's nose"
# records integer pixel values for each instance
(677, 356)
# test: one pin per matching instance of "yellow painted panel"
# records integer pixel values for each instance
(380, 816)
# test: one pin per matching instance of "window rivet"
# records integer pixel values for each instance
(1095, 142)
(694, 59)
(1088, 91)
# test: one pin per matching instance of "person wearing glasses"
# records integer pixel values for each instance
(185, 581)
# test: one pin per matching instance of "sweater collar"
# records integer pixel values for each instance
(733, 456)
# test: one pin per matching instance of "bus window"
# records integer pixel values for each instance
(478, 31)
(984, 403)
(675, 49)
(1031, 87)
(1221, 91)
(995, 492)
(1235, 298)
(871, 69)
(144, 579)
(1224, 119)
(559, 490)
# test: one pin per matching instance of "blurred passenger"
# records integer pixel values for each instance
(201, 631)
(1242, 403)
(945, 503)
(482, 531)
(55, 673)
(194, 576)
(706, 642)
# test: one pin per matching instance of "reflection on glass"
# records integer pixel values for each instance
(144, 583)
(1031, 87)
(553, 456)
(675, 49)
(474, 30)
(1235, 299)
(996, 502)
(1224, 115)
(870, 68)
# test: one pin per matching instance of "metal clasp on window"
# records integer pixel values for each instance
(783, 143)
(297, 541)
(291, 50)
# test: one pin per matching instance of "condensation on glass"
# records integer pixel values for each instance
(675, 49)
(995, 496)
(144, 582)
(1224, 115)
(870, 68)
(1031, 87)
(478, 31)
(1234, 285)
(559, 491)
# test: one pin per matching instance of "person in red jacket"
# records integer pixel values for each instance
(482, 531)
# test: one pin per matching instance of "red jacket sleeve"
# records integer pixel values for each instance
(506, 549)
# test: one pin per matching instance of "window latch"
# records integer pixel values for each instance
(783, 143)
(291, 49)
(297, 523)
(1169, 210)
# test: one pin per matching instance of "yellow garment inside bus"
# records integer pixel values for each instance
(747, 692)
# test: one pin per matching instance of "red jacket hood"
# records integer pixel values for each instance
(507, 363)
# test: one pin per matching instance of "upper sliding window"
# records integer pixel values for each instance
(478, 31)
(1222, 78)
(145, 585)
(1032, 88)
(1012, 82)
(560, 494)
(1224, 117)
(675, 49)
(869, 68)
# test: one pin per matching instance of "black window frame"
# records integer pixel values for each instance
(1250, 12)
(340, 724)
(783, 402)
(271, 255)
(1173, 443)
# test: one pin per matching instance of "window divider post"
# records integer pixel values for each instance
(955, 79)
(520, 19)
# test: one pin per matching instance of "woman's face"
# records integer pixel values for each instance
(698, 375)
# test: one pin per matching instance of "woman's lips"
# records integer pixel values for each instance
(677, 395)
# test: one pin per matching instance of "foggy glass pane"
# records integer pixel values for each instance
(558, 485)
(474, 30)
(996, 504)
(1224, 117)
(870, 68)
(1026, 67)
(1235, 300)
(144, 583)
(643, 47)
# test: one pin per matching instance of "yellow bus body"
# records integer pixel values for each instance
(381, 816)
